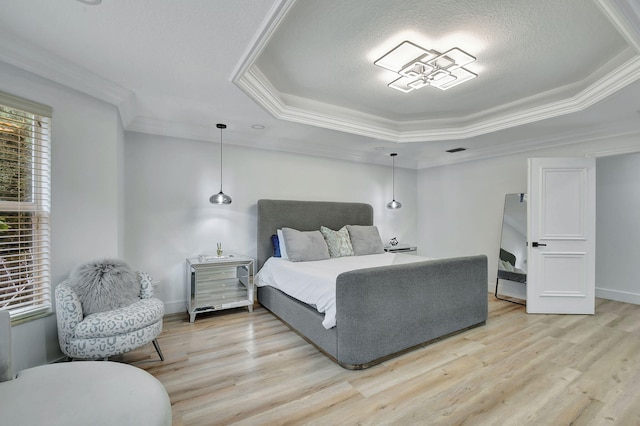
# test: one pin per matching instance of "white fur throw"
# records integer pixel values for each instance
(104, 285)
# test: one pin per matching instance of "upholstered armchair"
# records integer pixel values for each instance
(104, 334)
(96, 393)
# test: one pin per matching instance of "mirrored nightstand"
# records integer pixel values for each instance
(216, 283)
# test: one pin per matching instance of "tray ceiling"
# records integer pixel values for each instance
(549, 72)
(535, 60)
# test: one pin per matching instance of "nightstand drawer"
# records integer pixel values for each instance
(224, 292)
(208, 274)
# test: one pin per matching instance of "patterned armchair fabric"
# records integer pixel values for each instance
(109, 333)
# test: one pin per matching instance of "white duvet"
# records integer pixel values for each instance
(314, 283)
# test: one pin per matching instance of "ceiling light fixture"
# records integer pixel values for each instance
(419, 67)
(393, 204)
(220, 197)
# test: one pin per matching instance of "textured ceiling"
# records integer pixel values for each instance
(324, 51)
(548, 72)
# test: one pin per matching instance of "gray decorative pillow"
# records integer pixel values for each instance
(365, 239)
(338, 242)
(104, 285)
(302, 246)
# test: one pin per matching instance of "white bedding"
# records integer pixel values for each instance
(314, 283)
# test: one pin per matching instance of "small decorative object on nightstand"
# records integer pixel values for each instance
(216, 283)
(401, 248)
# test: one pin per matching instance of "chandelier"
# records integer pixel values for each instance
(419, 67)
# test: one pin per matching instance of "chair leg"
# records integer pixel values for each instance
(157, 346)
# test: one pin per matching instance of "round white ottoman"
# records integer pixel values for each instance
(84, 393)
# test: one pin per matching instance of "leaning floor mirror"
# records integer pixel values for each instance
(512, 263)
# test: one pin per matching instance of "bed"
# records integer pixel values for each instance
(381, 312)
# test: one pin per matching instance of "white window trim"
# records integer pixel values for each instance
(40, 204)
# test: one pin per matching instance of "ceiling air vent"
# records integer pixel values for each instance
(456, 150)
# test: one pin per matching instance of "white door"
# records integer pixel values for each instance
(561, 236)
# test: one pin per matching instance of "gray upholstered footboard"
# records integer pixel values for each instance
(388, 310)
(385, 310)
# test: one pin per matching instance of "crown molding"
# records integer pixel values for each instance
(261, 38)
(165, 128)
(154, 126)
(625, 16)
(255, 84)
(31, 58)
(612, 131)
(617, 151)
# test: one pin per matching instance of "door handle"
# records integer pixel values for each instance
(537, 244)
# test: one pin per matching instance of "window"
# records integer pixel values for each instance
(25, 288)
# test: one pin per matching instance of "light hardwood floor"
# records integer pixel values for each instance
(236, 367)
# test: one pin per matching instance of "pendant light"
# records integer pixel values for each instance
(220, 197)
(393, 204)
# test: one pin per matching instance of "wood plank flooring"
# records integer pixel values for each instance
(236, 367)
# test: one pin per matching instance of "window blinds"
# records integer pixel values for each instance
(25, 288)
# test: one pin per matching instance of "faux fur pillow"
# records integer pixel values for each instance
(104, 285)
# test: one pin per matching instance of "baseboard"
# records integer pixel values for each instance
(618, 296)
(603, 293)
(175, 307)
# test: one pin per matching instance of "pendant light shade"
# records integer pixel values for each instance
(220, 197)
(393, 204)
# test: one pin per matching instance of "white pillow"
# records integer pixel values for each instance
(283, 246)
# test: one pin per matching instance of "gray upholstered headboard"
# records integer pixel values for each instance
(305, 216)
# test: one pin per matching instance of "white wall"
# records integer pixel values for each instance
(159, 213)
(618, 227)
(169, 217)
(460, 208)
(84, 195)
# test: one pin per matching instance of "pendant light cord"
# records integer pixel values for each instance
(221, 159)
(393, 204)
(393, 175)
